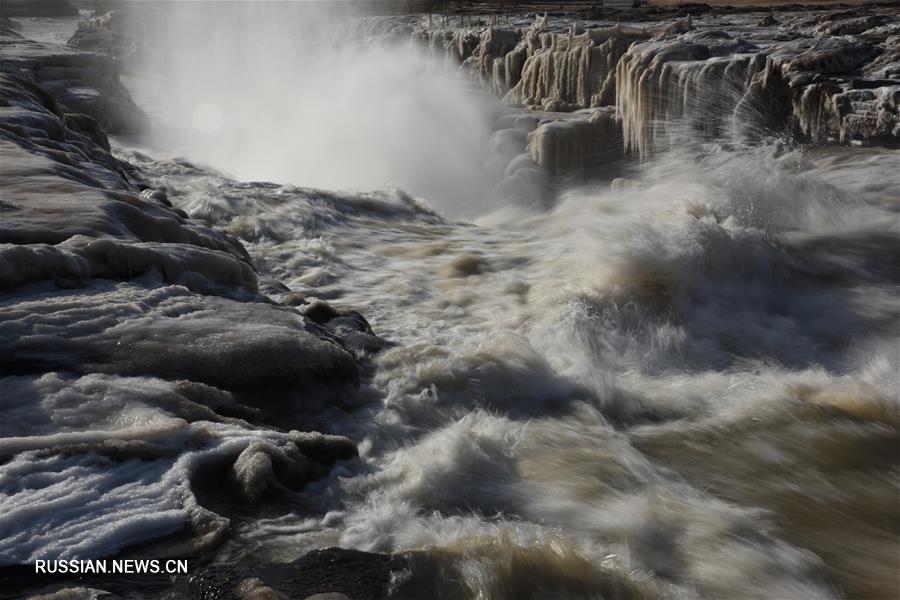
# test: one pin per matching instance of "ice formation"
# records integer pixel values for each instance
(822, 85)
(125, 328)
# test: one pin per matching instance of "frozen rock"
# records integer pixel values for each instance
(80, 258)
(568, 72)
(82, 82)
(125, 327)
(62, 191)
(494, 45)
(797, 73)
(263, 467)
(576, 146)
(80, 443)
(723, 87)
(91, 500)
(170, 333)
(526, 184)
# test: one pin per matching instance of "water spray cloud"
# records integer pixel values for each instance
(293, 93)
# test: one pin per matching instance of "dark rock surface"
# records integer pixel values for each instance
(358, 575)
(37, 8)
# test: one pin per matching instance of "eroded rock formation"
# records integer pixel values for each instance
(831, 78)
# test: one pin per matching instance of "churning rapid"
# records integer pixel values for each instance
(630, 333)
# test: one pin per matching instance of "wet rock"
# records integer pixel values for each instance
(157, 196)
(337, 321)
(219, 401)
(660, 74)
(354, 574)
(42, 8)
(508, 143)
(466, 265)
(824, 55)
(349, 321)
(321, 312)
(494, 44)
(76, 220)
(362, 345)
(693, 8)
(88, 126)
(74, 186)
(322, 448)
(349, 326)
(271, 286)
(293, 299)
(110, 297)
(254, 589)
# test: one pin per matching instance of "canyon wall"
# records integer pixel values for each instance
(834, 77)
(794, 77)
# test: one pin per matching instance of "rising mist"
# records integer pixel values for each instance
(295, 92)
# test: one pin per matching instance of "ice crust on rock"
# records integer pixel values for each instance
(136, 350)
(83, 82)
(168, 332)
(806, 75)
(90, 504)
(573, 146)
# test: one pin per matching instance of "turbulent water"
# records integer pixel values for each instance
(683, 386)
(695, 378)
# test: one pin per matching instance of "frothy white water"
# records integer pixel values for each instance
(564, 380)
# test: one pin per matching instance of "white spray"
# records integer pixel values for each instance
(291, 92)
